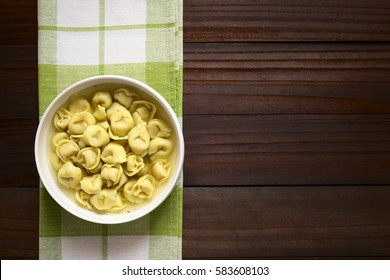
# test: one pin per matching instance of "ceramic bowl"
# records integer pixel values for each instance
(65, 197)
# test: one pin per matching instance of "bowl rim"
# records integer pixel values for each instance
(119, 218)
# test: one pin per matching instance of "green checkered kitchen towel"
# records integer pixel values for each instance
(141, 39)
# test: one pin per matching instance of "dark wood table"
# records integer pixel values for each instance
(286, 122)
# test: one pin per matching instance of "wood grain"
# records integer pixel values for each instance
(286, 20)
(19, 209)
(260, 222)
(287, 149)
(17, 162)
(267, 78)
(249, 150)
(285, 222)
(18, 81)
(286, 122)
(18, 22)
(286, 78)
(243, 20)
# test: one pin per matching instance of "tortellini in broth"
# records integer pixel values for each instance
(58, 137)
(125, 97)
(143, 111)
(100, 113)
(114, 153)
(62, 119)
(104, 200)
(159, 128)
(79, 122)
(139, 140)
(96, 136)
(92, 184)
(89, 157)
(79, 104)
(160, 148)
(102, 98)
(111, 174)
(112, 149)
(70, 175)
(67, 150)
(161, 169)
(134, 164)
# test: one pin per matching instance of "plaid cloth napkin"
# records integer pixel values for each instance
(141, 39)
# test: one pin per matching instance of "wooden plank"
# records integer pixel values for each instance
(268, 78)
(286, 78)
(18, 22)
(286, 222)
(244, 20)
(17, 163)
(286, 20)
(19, 210)
(19, 81)
(287, 149)
(249, 150)
(260, 222)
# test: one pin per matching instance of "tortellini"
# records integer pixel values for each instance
(111, 174)
(83, 198)
(143, 111)
(79, 104)
(67, 150)
(62, 119)
(144, 187)
(114, 153)
(140, 190)
(160, 148)
(159, 128)
(139, 140)
(119, 204)
(58, 137)
(89, 157)
(121, 122)
(78, 139)
(125, 97)
(97, 169)
(55, 161)
(120, 119)
(134, 164)
(112, 149)
(100, 113)
(102, 98)
(80, 122)
(104, 200)
(92, 184)
(161, 169)
(128, 192)
(70, 175)
(96, 136)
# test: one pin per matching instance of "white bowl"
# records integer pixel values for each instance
(45, 131)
